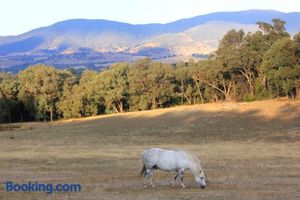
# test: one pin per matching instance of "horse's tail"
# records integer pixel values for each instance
(143, 171)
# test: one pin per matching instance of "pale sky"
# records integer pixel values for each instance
(19, 16)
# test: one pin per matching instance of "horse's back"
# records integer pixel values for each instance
(152, 155)
(154, 152)
(165, 159)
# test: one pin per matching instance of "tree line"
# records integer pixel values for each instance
(245, 67)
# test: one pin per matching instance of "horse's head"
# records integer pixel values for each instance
(200, 179)
(196, 169)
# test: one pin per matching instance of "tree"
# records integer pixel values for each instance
(116, 87)
(88, 97)
(219, 78)
(66, 105)
(150, 85)
(43, 85)
(273, 32)
(297, 44)
(247, 64)
(198, 75)
(281, 68)
(228, 62)
(297, 54)
(9, 89)
(185, 83)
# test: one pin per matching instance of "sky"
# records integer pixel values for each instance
(19, 16)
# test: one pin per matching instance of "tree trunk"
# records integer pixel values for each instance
(51, 114)
(251, 89)
(154, 106)
(187, 98)
(121, 107)
(115, 108)
(248, 75)
(216, 98)
(225, 91)
(292, 95)
(182, 92)
(199, 90)
(265, 82)
(227, 97)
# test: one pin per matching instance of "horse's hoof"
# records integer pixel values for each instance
(145, 186)
(183, 186)
(153, 186)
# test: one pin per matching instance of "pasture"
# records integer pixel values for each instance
(247, 151)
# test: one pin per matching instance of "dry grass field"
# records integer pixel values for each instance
(247, 150)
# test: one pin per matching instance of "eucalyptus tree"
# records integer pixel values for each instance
(281, 68)
(9, 89)
(186, 86)
(229, 61)
(151, 85)
(116, 87)
(41, 86)
(67, 106)
(197, 73)
(88, 94)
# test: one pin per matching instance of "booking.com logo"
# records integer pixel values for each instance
(42, 187)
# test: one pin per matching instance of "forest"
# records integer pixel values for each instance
(245, 67)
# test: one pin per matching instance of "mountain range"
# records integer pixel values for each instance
(97, 43)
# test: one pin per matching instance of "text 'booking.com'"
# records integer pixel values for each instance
(48, 188)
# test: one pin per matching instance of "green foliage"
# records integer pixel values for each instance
(280, 67)
(185, 88)
(116, 87)
(248, 97)
(41, 86)
(248, 67)
(150, 85)
(261, 91)
(9, 104)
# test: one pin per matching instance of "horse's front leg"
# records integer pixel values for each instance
(151, 177)
(181, 173)
(174, 179)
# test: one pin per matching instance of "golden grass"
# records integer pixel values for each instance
(248, 151)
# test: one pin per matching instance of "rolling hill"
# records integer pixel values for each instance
(67, 43)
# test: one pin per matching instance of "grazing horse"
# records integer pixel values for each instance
(171, 160)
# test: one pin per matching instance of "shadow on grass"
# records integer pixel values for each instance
(193, 125)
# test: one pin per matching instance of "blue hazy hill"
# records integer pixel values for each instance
(129, 41)
(125, 33)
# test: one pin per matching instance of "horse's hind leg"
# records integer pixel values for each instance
(151, 177)
(149, 174)
(146, 177)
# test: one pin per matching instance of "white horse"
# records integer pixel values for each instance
(171, 160)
